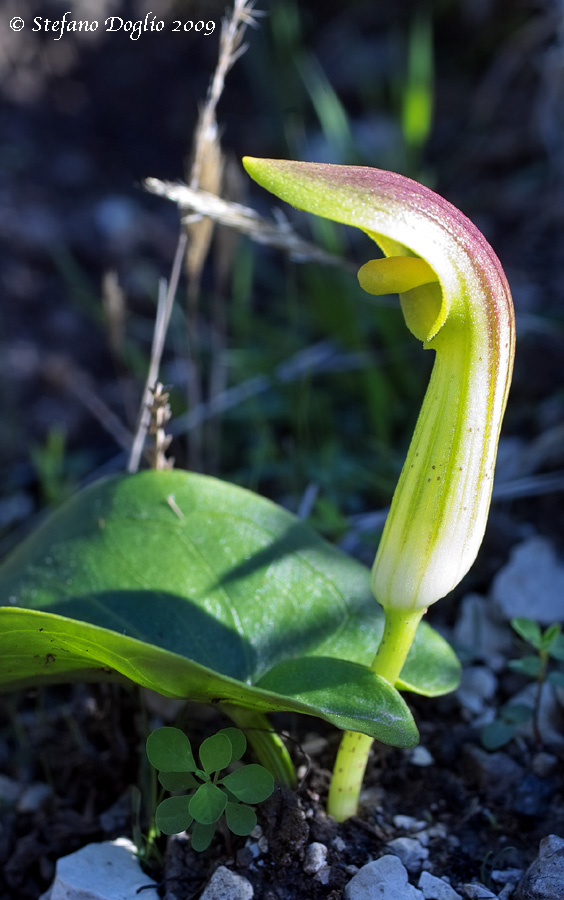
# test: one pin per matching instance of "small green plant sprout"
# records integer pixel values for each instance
(456, 300)
(210, 795)
(549, 645)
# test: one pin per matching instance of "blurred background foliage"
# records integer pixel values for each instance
(318, 384)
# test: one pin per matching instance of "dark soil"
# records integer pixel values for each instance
(86, 744)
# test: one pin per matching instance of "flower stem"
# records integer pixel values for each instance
(399, 630)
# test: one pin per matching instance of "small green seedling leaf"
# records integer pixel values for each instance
(202, 836)
(528, 630)
(497, 734)
(173, 815)
(556, 679)
(250, 784)
(216, 752)
(240, 819)
(178, 781)
(238, 742)
(550, 635)
(207, 804)
(556, 649)
(528, 665)
(516, 713)
(169, 750)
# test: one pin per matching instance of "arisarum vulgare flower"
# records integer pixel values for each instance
(455, 298)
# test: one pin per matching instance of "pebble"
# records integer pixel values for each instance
(534, 795)
(410, 851)
(497, 773)
(544, 764)
(421, 757)
(507, 876)
(33, 797)
(533, 579)
(226, 885)
(434, 888)
(478, 636)
(384, 879)
(544, 879)
(105, 871)
(478, 892)
(10, 790)
(550, 717)
(409, 823)
(477, 688)
(315, 858)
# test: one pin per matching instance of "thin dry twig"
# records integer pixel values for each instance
(231, 48)
(206, 171)
(164, 309)
(278, 235)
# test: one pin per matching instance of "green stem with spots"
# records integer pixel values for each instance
(399, 630)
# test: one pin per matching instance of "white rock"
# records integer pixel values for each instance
(477, 686)
(227, 885)
(532, 583)
(439, 830)
(315, 858)
(10, 790)
(33, 797)
(478, 892)
(410, 852)
(384, 879)
(409, 823)
(434, 888)
(420, 757)
(106, 871)
(339, 844)
(507, 876)
(478, 635)
(506, 892)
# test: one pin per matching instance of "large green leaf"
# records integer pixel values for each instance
(198, 588)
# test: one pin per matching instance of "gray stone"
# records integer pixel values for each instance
(550, 713)
(477, 687)
(434, 888)
(544, 879)
(33, 797)
(496, 773)
(478, 892)
(507, 876)
(409, 823)
(384, 879)
(478, 635)
(227, 885)
(410, 852)
(544, 764)
(315, 858)
(506, 892)
(532, 580)
(106, 871)
(10, 790)
(421, 757)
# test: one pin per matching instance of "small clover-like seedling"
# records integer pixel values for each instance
(209, 796)
(549, 645)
